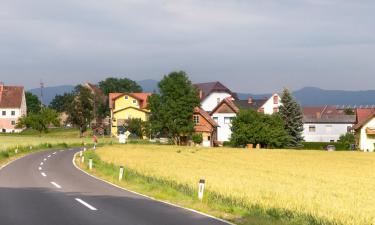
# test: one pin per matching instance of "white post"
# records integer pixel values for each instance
(90, 164)
(121, 174)
(94, 146)
(16, 150)
(80, 154)
(82, 159)
(31, 147)
(201, 189)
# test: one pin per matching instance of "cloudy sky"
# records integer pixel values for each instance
(250, 45)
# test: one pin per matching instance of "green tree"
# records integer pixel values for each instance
(135, 126)
(80, 110)
(172, 109)
(291, 113)
(33, 103)
(347, 139)
(251, 127)
(61, 103)
(349, 111)
(197, 138)
(121, 85)
(40, 121)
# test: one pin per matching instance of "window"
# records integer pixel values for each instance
(4, 113)
(3, 130)
(275, 109)
(196, 119)
(126, 97)
(13, 113)
(228, 120)
(13, 122)
(275, 99)
(208, 138)
(328, 128)
(312, 129)
(134, 101)
(216, 118)
(349, 129)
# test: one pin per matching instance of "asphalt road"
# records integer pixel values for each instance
(46, 189)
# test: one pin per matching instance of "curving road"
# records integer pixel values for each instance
(46, 189)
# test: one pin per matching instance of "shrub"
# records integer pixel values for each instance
(197, 138)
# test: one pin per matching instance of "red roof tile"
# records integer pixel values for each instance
(363, 116)
(11, 96)
(142, 97)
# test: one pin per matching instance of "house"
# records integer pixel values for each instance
(12, 107)
(365, 129)
(228, 108)
(326, 123)
(124, 106)
(212, 93)
(206, 126)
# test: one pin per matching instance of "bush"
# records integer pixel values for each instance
(197, 138)
(322, 145)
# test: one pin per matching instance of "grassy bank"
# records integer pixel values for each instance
(251, 187)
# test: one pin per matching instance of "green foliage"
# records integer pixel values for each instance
(347, 139)
(61, 103)
(251, 127)
(80, 110)
(112, 84)
(40, 121)
(349, 112)
(136, 127)
(197, 138)
(33, 103)
(322, 145)
(291, 114)
(172, 109)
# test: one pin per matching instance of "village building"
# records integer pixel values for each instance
(326, 123)
(205, 125)
(212, 93)
(12, 107)
(365, 129)
(125, 106)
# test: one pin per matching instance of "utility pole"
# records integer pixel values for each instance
(41, 93)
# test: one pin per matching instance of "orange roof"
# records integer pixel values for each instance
(142, 97)
(206, 116)
(363, 116)
(229, 102)
(11, 96)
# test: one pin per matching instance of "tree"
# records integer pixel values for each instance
(80, 110)
(33, 103)
(291, 113)
(135, 126)
(112, 84)
(61, 102)
(349, 111)
(347, 139)
(40, 121)
(197, 138)
(251, 127)
(172, 109)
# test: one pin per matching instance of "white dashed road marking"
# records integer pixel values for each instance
(40, 168)
(54, 153)
(41, 163)
(49, 156)
(86, 204)
(56, 185)
(45, 159)
(43, 174)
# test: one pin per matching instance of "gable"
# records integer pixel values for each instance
(125, 101)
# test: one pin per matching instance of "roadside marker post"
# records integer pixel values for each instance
(80, 154)
(90, 164)
(121, 174)
(16, 150)
(201, 189)
(83, 159)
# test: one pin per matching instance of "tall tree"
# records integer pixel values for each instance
(112, 84)
(61, 102)
(251, 127)
(172, 109)
(80, 110)
(291, 113)
(40, 121)
(33, 103)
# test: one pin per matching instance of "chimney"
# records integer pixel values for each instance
(318, 115)
(250, 100)
(200, 94)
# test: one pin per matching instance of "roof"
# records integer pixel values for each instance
(210, 87)
(255, 103)
(142, 97)
(95, 89)
(205, 115)
(11, 96)
(326, 114)
(363, 116)
(229, 103)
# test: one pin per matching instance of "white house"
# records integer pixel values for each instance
(212, 93)
(326, 123)
(12, 107)
(365, 129)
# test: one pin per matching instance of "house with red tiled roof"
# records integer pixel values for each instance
(12, 107)
(125, 106)
(326, 123)
(212, 93)
(365, 129)
(205, 125)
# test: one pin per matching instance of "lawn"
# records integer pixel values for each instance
(325, 187)
(54, 136)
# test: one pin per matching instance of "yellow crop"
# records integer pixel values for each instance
(333, 186)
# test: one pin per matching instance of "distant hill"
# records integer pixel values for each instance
(312, 96)
(149, 85)
(49, 93)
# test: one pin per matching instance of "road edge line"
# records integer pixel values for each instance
(149, 197)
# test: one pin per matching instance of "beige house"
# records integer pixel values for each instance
(365, 129)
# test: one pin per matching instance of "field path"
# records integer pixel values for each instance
(45, 188)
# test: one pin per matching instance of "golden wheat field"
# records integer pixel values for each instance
(334, 186)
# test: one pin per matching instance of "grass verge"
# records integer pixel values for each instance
(230, 209)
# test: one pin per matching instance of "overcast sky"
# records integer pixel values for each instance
(250, 45)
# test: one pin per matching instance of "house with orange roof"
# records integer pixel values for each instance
(12, 107)
(365, 129)
(125, 106)
(205, 125)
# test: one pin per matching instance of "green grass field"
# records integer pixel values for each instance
(290, 187)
